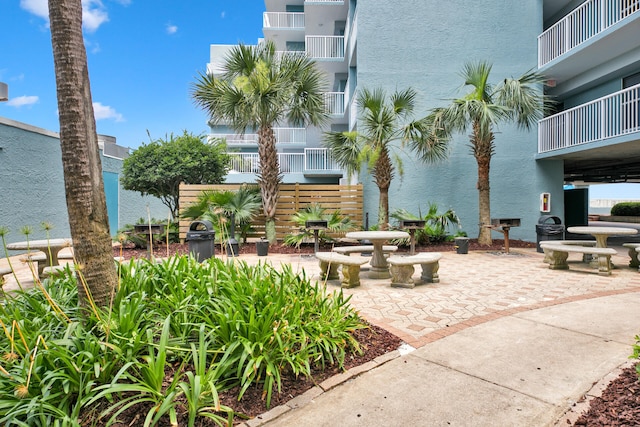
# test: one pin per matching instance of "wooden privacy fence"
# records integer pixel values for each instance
(293, 197)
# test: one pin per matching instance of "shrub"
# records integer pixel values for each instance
(176, 334)
(437, 225)
(335, 222)
(626, 209)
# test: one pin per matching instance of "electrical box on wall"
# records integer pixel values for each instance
(545, 202)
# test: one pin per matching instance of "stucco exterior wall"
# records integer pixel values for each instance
(32, 184)
(424, 44)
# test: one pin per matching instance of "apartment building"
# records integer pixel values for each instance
(589, 51)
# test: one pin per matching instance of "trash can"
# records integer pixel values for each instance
(461, 245)
(262, 247)
(201, 237)
(549, 227)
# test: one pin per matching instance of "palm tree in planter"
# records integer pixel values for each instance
(518, 100)
(384, 120)
(257, 90)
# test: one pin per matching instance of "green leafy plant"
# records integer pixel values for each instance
(177, 334)
(626, 209)
(336, 222)
(437, 224)
(218, 207)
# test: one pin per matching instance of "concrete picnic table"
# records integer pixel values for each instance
(50, 247)
(601, 233)
(379, 265)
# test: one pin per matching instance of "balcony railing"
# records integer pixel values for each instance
(614, 115)
(325, 47)
(289, 20)
(319, 159)
(334, 103)
(584, 22)
(283, 136)
(312, 160)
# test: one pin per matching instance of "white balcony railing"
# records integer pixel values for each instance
(289, 20)
(291, 135)
(283, 136)
(319, 159)
(334, 103)
(325, 47)
(614, 115)
(291, 53)
(312, 160)
(589, 19)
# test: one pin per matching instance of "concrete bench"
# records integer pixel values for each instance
(329, 262)
(402, 269)
(585, 257)
(633, 254)
(3, 271)
(558, 255)
(37, 257)
(346, 250)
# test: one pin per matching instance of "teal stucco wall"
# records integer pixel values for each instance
(32, 185)
(424, 44)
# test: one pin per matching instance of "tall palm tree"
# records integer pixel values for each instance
(384, 120)
(84, 188)
(257, 90)
(519, 101)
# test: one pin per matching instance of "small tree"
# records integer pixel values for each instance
(159, 167)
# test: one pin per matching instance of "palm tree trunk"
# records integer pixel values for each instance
(383, 175)
(269, 178)
(84, 188)
(482, 150)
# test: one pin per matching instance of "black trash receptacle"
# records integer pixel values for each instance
(201, 237)
(262, 247)
(549, 227)
(461, 244)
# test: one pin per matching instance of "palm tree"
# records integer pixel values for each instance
(257, 90)
(382, 122)
(518, 100)
(84, 189)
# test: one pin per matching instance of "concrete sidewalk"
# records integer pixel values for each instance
(501, 341)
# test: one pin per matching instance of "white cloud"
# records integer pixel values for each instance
(21, 101)
(223, 14)
(172, 29)
(37, 7)
(104, 112)
(94, 13)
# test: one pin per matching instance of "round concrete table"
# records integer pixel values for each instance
(379, 265)
(50, 247)
(602, 233)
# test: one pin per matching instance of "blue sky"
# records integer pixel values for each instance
(143, 56)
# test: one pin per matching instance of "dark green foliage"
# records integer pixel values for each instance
(158, 168)
(176, 334)
(626, 209)
(335, 222)
(437, 225)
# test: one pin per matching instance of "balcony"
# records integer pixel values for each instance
(326, 47)
(334, 103)
(612, 116)
(286, 20)
(313, 161)
(284, 136)
(336, 2)
(584, 23)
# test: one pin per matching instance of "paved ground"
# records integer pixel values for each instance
(501, 340)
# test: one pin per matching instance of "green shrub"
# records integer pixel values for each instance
(335, 222)
(626, 209)
(437, 224)
(177, 333)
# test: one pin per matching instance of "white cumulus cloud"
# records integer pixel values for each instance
(21, 101)
(94, 13)
(104, 112)
(172, 29)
